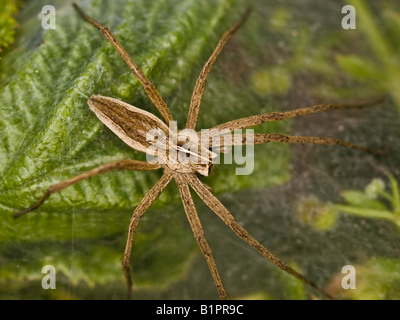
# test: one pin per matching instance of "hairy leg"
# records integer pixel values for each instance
(277, 116)
(199, 234)
(261, 138)
(126, 164)
(147, 84)
(146, 202)
(214, 204)
(200, 85)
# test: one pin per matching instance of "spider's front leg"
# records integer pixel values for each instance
(148, 86)
(200, 85)
(256, 120)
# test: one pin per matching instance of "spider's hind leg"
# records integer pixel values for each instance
(198, 233)
(263, 138)
(140, 210)
(215, 205)
(126, 164)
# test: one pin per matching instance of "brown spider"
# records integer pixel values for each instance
(132, 124)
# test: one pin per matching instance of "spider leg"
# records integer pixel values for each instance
(198, 90)
(147, 84)
(126, 164)
(261, 138)
(215, 205)
(144, 204)
(252, 121)
(199, 234)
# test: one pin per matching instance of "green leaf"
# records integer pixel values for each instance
(273, 80)
(392, 19)
(8, 10)
(366, 212)
(370, 27)
(358, 67)
(360, 199)
(49, 134)
(395, 195)
(160, 244)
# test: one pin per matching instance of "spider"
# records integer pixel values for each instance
(132, 125)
